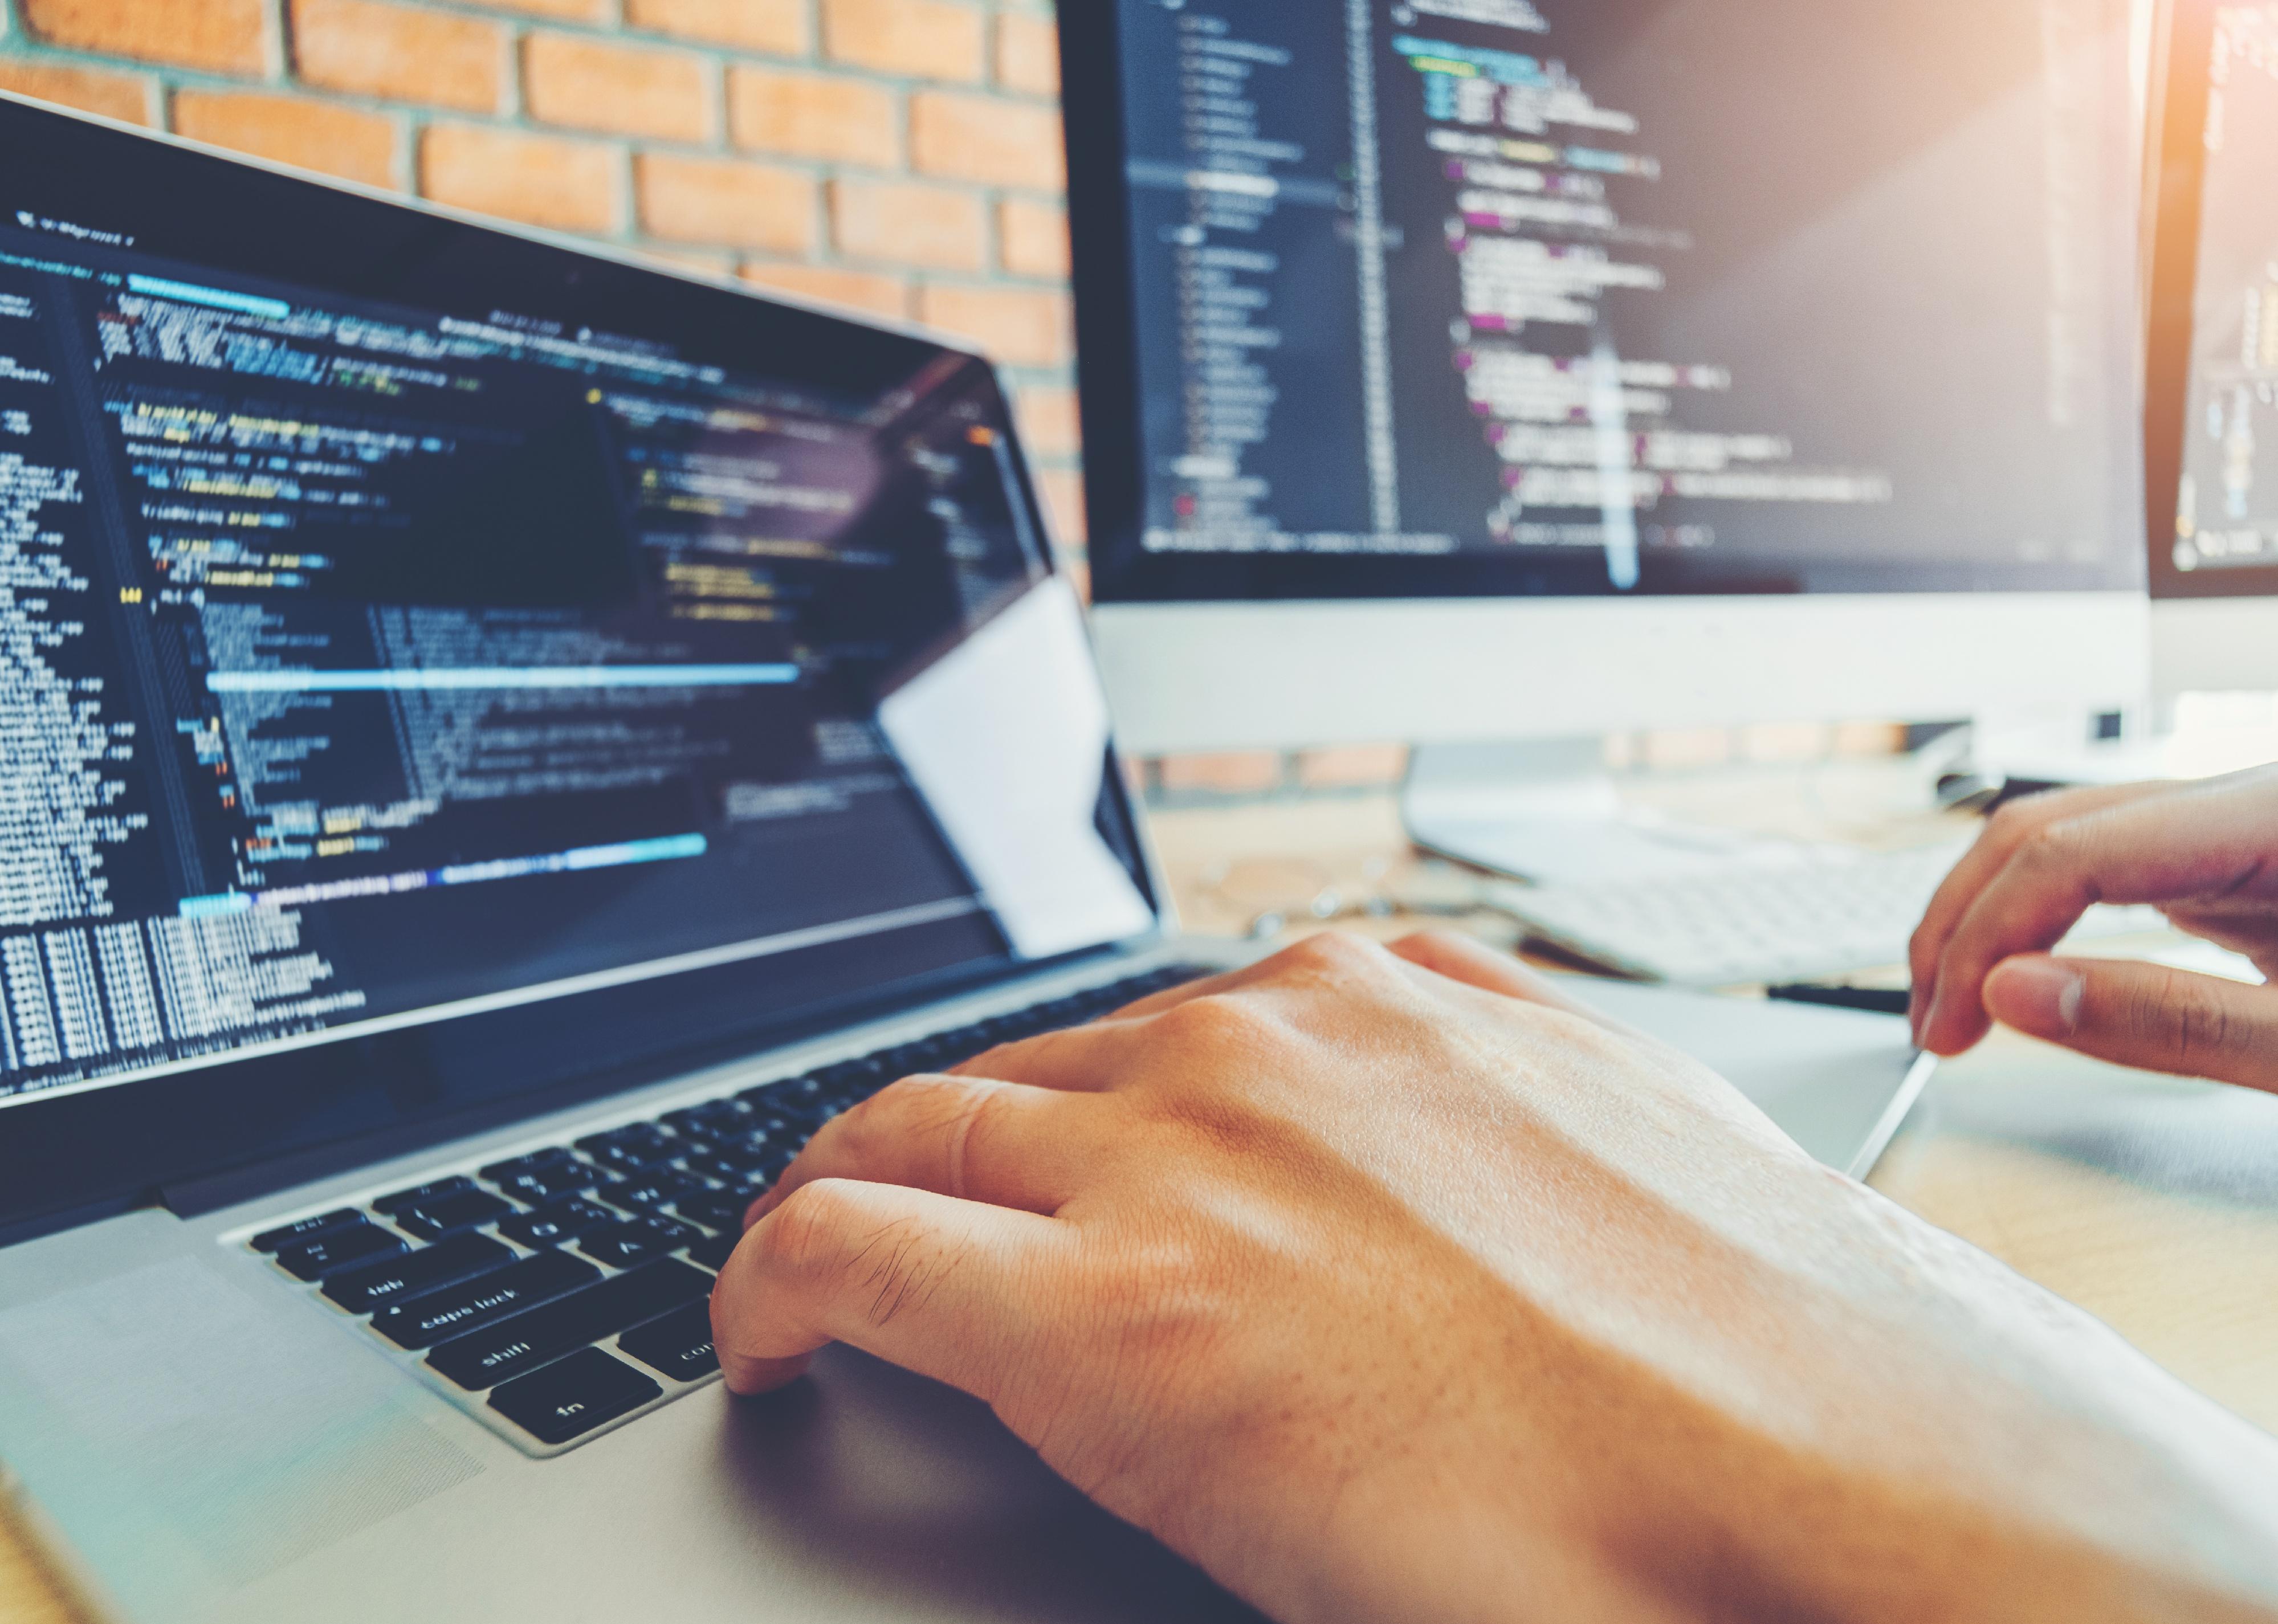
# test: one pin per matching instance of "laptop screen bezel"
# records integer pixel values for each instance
(85, 1155)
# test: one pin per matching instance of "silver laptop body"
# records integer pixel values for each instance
(274, 1344)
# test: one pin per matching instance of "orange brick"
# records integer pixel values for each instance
(115, 95)
(220, 36)
(1027, 54)
(814, 115)
(778, 26)
(859, 290)
(399, 55)
(1012, 325)
(1050, 426)
(292, 130)
(570, 10)
(1061, 492)
(986, 139)
(1247, 772)
(571, 185)
(923, 39)
(715, 200)
(1032, 238)
(624, 90)
(909, 224)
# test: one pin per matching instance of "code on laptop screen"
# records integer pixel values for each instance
(363, 663)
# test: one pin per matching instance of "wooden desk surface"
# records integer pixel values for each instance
(2152, 1203)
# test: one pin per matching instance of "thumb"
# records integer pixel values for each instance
(2142, 1015)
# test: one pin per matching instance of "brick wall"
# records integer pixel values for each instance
(900, 155)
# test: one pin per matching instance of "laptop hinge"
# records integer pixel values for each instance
(211, 1191)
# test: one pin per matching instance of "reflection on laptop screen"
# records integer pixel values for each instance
(362, 662)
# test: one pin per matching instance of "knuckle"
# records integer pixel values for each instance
(970, 1122)
(2051, 848)
(1208, 1022)
(1436, 939)
(801, 1238)
(2193, 1017)
(2016, 817)
(884, 1113)
(1335, 951)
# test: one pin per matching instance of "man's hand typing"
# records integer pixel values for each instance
(1394, 1285)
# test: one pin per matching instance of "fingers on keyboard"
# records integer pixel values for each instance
(598, 1225)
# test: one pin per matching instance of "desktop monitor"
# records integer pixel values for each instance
(1465, 369)
(2212, 376)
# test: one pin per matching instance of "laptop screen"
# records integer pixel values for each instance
(401, 620)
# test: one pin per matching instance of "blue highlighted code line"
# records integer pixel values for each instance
(584, 858)
(212, 298)
(449, 678)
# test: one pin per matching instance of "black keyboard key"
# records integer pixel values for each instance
(775, 1124)
(789, 1106)
(796, 1099)
(303, 1229)
(962, 1045)
(587, 1390)
(631, 1149)
(705, 1165)
(462, 1309)
(551, 1225)
(336, 1249)
(375, 1286)
(714, 1116)
(433, 1191)
(506, 1171)
(850, 1079)
(659, 1186)
(524, 1342)
(908, 1059)
(718, 1210)
(636, 1240)
(460, 1211)
(548, 1179)
(679, 1345)
(761, 1159)
(714, 1254)
(767, 1128)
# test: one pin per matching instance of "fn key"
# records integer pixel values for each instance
(582, 1392)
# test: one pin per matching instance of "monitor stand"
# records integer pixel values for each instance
(1548, 811)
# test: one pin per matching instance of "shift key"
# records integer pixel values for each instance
(485, 1358)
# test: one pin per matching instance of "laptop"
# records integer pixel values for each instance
(501, 743)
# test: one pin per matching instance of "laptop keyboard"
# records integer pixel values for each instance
(569, 1287)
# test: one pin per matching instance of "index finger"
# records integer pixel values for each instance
(948, 1288)
(2191, 843)
(2004, 834)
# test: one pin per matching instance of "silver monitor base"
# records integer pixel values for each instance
(1548, 811)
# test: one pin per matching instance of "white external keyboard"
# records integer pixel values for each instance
(1823, 915)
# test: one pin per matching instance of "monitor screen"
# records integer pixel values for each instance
(1433, 298)
(401, 620)
(2214, 405)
